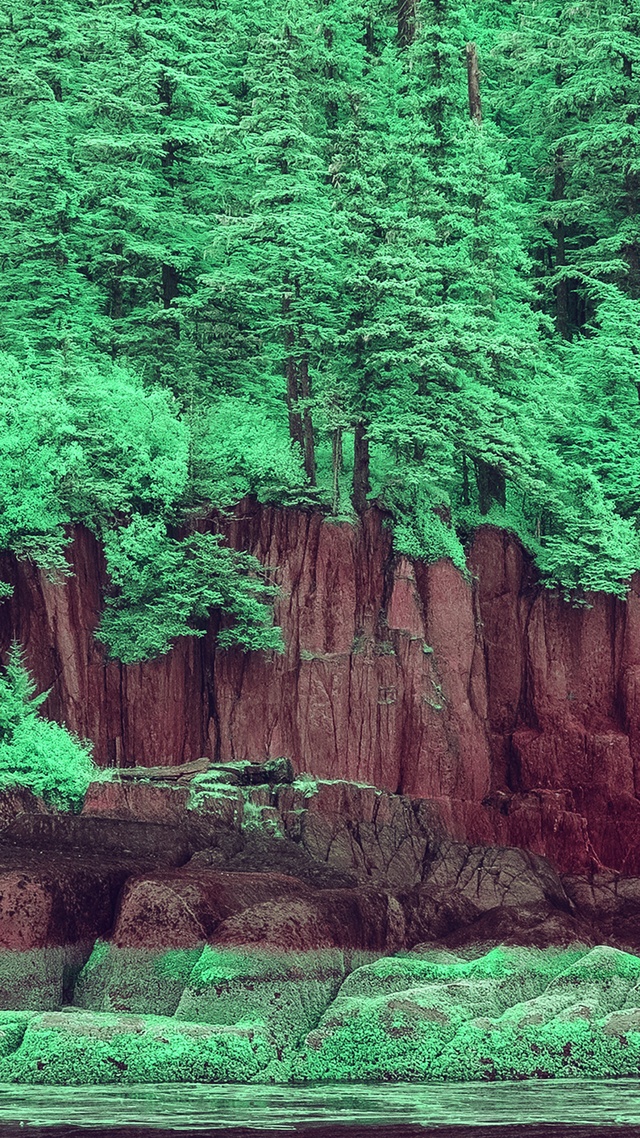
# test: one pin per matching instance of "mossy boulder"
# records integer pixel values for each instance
(574, 1028)
(73, 1047)
(140, 980)
(509, 1013)
(286, 991)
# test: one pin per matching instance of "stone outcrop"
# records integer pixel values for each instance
(250, 1015)
(513, 711)
(367, 872)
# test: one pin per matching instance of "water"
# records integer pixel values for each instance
(569, 1107)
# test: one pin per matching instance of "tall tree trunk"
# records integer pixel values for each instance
(308, 446)
(562, 287)
(465, 482)
(473, 83)
(170, 279)
(632, 192)
(336, 467)
(490, 481)
(491, 485)
(295, 418)
(406, 16)
(291, 372)
(361, 485)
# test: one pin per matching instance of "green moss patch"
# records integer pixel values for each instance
(134, 979)
(287, 991)
(73, 1047)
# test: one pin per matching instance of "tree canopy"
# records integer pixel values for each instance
(325, 253)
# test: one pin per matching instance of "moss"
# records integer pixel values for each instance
(562, 1048)
(12, 1028)
(74, 1047)
(285, 991)
(264, 818)
(134, 979)
(511, 1013)
(39, 978)
(276, 1016)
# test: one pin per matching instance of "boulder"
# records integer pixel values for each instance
(51, 898)
(74, 1047)
(466, 890)
(40, 978)
(579, 1026)
(162, 923)
(362, 831)
(182, 908)
(286, 991)
(142, 980)
(282, 962)
(507, 1013)
(610, 902)
(53, 906)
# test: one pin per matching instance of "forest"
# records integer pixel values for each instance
(328, 253)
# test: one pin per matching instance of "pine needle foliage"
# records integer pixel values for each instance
(240, 241)
(37, 753)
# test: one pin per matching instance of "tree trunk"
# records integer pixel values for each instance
(336, 467)
(308, 446)
(291, 372)
(465, 482)
(562, 287)
(491, 485)
(369, 38)
(295, 418)
(170, 280)
(632, 192)
(406, 17)
(473, 83)
(361, 484)
(115, 285)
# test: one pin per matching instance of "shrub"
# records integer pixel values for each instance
(35, 752)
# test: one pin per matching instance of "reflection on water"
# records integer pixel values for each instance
(556, 1108)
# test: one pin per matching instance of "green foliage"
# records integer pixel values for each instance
(34, 752)
(238, 450)
(237, 240)
(166, 588)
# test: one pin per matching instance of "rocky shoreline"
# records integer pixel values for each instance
(241, 924)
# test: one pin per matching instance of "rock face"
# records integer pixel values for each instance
(253, 1015)
(514, 712)
(508, 1014)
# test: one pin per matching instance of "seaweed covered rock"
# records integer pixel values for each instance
(142, 980)
(581, 1025)
(285, 991)
(161, 927)
(74, 1047)
(40, 978)
(53, 906)
(282, 963)
(393, 1017)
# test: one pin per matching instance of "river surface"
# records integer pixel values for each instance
(561, 1108)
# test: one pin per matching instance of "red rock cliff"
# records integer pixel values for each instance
(519, 713)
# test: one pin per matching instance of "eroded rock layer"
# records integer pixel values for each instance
(514, 711)
(253, 925)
